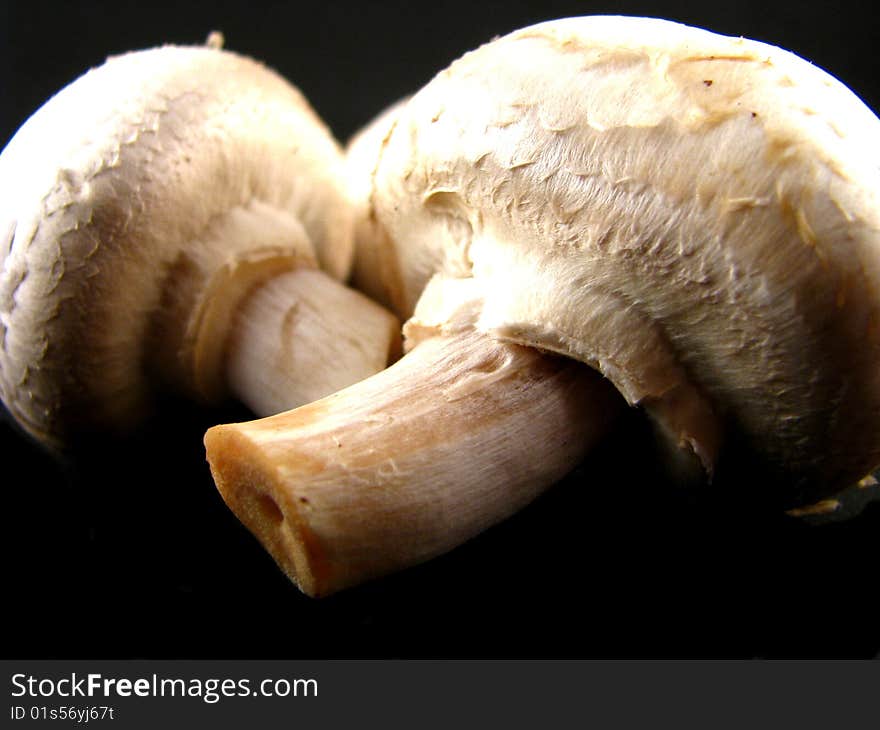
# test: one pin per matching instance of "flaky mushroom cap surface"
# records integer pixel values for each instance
(177, 177)
(696, 216)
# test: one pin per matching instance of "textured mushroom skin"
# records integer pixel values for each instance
(696, 216)
(91, 243)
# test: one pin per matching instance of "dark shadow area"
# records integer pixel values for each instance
(130, 552)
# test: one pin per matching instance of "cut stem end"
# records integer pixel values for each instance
(455, 437)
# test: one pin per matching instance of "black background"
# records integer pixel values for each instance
(127, 550)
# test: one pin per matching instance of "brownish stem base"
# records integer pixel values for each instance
(406, 465)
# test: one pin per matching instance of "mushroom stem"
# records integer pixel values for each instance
(303, 335)
(456, 436)
(244, 311)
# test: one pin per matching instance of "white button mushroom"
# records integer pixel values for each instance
(694, 216)
(179, 212)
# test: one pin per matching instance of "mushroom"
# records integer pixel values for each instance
(694, 217)
(176, 215)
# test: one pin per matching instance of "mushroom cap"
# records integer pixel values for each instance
(695, 216)
(137, 207)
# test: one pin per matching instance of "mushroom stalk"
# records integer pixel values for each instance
(302, 336)
(455, 437)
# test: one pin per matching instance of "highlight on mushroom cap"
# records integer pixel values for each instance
(694, 215)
